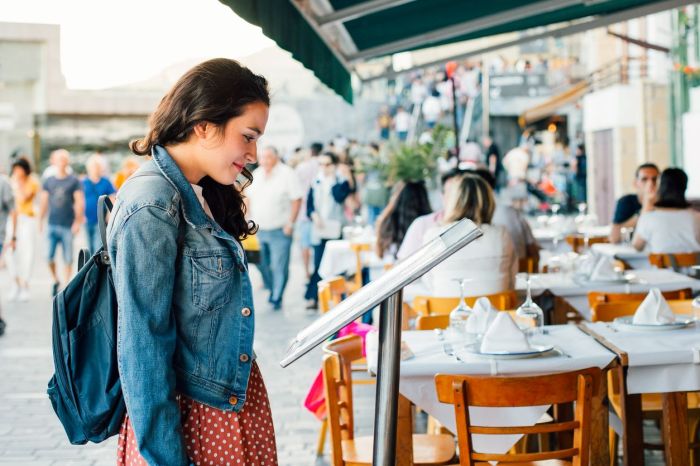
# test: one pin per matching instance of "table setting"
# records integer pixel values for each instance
(489, 342)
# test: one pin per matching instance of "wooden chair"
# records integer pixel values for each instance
(464, 391)
(651, 402)
(331, 292)
(578, 241)
(442, 321)
(347, 449)
(529, 265)
(597, 297)
(358, 249)
(607, 312)
(674, 261)
(428, 305)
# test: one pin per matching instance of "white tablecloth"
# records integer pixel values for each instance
(664, 361)
(418, 385)
(576, 292)
(625, 252)
(339, 259)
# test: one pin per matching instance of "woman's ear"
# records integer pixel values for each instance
(202, 129)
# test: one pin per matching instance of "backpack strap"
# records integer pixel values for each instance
(104, 207)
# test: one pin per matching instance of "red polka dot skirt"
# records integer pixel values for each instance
(216, 437)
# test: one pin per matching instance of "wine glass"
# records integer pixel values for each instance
(460, 314)
(530, 309)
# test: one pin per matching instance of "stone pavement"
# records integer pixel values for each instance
(30, 433)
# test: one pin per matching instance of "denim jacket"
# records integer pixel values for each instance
(185, 307)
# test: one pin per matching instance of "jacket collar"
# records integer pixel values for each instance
(191, 208)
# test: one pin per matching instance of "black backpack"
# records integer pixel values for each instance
(85, 390)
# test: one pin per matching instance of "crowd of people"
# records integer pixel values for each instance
(57, 204)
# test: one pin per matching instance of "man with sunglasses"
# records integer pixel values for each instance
(629, 206)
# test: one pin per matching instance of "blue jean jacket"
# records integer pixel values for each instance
(185, 307)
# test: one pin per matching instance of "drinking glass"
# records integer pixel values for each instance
(530, 309)
(460, 314)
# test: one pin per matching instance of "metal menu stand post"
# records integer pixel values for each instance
(387, 291)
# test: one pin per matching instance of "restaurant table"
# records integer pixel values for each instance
(574, 350)
(573, 292)
(666, 362)
(339, 258)
(624, 252)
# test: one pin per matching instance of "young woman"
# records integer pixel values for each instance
(22, 228)
(193, 392)
(670, 225)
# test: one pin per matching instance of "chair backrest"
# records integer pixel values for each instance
(597, 297)
(358, 249)
(529, 265)
(442, 321)
(606, 312)
(578, 241)
(674, 261)
(463, 391)
(330, 293)
(429, 305)
(337, 377)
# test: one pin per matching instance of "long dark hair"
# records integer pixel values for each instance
(213, 91)
(408, 202)
(672, 186)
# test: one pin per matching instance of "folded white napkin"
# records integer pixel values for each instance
(654, 310)
(504, 335)
(586, 263)
(483, 315)
(604, 270)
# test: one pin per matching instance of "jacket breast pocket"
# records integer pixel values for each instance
(211, 280)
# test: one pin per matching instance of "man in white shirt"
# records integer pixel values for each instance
(402, 123)
(274, 200)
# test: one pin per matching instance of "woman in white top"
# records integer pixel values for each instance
(670, 225)
(489, 262)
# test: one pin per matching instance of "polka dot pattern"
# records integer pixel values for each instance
(216, 437)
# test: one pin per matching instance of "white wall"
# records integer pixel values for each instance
(613, 107)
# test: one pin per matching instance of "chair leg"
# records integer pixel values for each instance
(693, 422)
(612, 440)
(322, 437)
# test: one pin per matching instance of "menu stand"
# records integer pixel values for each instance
(386, 292)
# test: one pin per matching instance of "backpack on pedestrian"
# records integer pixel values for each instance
(85, 390)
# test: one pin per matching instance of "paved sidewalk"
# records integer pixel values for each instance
(30, 434)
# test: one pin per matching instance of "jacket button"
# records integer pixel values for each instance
(245, 311)
(244, 357)
(233, 400)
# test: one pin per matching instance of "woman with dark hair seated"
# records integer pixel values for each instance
(671, 226)
(407, 203)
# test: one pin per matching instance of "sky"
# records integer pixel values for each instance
(107, 43)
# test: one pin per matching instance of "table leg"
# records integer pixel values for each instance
(404, 433)
(675, 428)
(600, 450)
(632, 435)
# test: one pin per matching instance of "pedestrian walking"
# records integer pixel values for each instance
(95, 184)
(21, 229)
(193, 390)
(62, 199)
(275, 198)
(7, 209)
(324, 206)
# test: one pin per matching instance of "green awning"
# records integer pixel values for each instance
(349, 31)
(282, 22)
